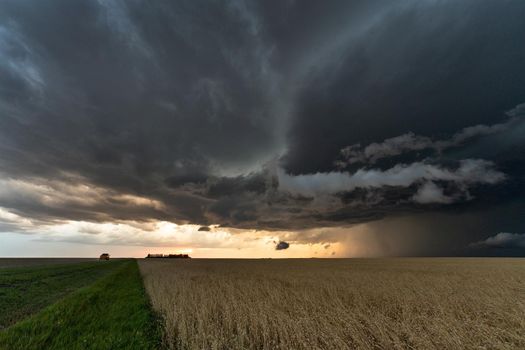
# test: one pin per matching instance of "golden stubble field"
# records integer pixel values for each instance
(411, 303)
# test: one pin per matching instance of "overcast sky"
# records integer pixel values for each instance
(262, 128)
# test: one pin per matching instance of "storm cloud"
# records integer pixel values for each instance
(261, 116)
(282, 245)
(410, 142)
(503, 240)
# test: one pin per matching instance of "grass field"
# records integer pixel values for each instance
(24, 291)
(112, 313)
(339, 304)
(34, 262)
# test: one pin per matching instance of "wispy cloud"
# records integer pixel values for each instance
(502, 240)
(411, 142)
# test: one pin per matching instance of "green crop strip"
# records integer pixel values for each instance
(113, 313)
(25, 291)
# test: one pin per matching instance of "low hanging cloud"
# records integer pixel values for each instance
(411, 142)
(282, 245)
(469, 172)
(429, 192)
(502, 240)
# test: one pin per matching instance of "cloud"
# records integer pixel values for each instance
(282, 245)
(391, 79)
(469, 172)
(518, 111)
(502, 240)
(429, 192)
(410, 142)
(130, 233)
(231, 114)
(204, 228)
(10, 222)
(270, 199)
(72, 197)
(390, 147)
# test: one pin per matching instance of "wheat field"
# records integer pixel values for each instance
(426, 303)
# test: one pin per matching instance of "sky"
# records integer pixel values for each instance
(253, 129)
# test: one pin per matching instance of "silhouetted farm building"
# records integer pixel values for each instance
(169, 256)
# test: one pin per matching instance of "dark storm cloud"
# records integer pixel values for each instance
(411, 143)
(265, 115)
(120, 92)
(282, 245)
(424, 67)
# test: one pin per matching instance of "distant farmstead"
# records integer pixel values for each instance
(169, 256)
(104, 256)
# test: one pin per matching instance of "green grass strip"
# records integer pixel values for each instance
(113, 313)
(25, 291)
